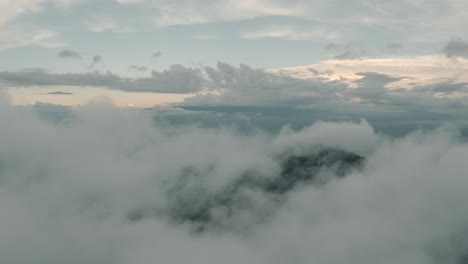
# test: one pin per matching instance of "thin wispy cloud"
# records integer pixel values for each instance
(59, 93)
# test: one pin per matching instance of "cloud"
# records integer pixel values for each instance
(359, 90)
(372, 87)
(346, 52)
(286, 32)
(190, 12)
(95, 60)
(456, 48)
(245, 85)
(11, 9)
(349, 21)
(372, 95)
(354, 20)
(138, 68)
(394, 46)
(72, 187)
(177, 79)
(68, 54)
(156, 55)
(349, 54)
(332, 46)
(420, 70)
(12, 37)
(59, 93)
(375, 78)
(101, 24)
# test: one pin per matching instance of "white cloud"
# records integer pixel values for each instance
(70, 187)
(418, 70)
(190, 12)
(416, 23)
(289, 33)
(101, 24)
(17, 37)
(9, 9)
(418, 19)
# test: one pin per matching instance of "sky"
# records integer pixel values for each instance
(420, 41)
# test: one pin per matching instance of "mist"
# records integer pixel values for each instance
(110, 185)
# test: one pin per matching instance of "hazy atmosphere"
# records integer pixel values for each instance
(248, 131)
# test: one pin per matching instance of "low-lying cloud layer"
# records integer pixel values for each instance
(68, 190)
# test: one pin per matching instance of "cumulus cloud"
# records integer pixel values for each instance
(68, 54)
(71, 187)
(228, 85)
(247, 86)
